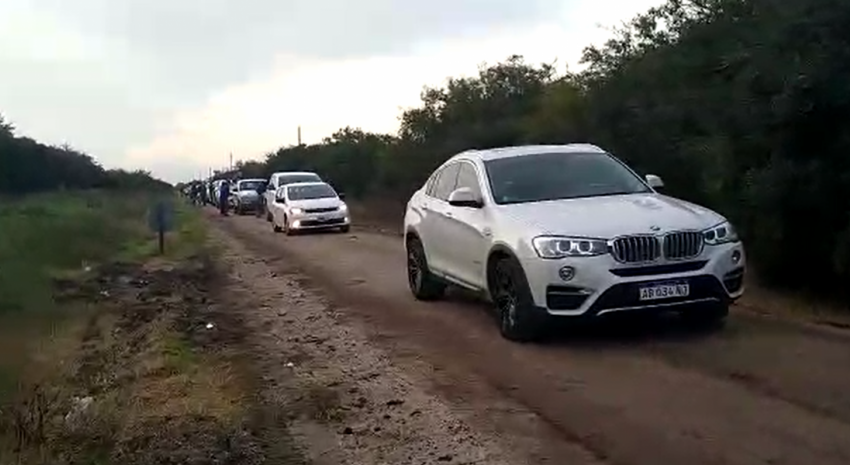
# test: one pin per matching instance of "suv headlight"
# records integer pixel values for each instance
(552, 247)
(296, 211)
(721, 234)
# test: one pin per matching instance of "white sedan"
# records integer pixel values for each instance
(309, 206)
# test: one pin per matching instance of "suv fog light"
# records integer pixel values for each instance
(567, 273)
(736, 256)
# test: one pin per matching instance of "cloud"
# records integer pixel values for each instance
(174, 85)
(322, 95)
(203, 44)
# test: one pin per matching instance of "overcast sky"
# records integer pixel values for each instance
(173, 86)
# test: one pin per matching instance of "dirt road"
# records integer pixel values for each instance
(760, 391)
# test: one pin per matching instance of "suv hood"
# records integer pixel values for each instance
(316, 203)
(611, 216)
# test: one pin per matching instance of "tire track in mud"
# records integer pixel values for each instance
(625, 400)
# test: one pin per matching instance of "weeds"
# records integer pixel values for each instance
(322, 404)
(29, 418)
(108, 368)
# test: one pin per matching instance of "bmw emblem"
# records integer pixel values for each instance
(567, 273)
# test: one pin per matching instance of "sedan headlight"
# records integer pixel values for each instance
(296, 211)
(343, 207)
(721, 234)
(552, 247)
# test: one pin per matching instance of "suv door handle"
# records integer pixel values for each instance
(449, 214)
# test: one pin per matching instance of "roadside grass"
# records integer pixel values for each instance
(101, 357)
(46, 236)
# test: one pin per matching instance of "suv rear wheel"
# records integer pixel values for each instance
(423, 284)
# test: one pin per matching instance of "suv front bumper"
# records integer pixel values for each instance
(600, 285)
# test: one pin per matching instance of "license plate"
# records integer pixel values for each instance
(665, 291)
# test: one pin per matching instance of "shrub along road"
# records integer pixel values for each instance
(760, 391)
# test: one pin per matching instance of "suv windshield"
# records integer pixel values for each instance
(312, 191)
(250, 185)
(293, 178)
(559, 175)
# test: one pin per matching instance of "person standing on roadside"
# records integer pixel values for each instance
(195, 193)
(261, 201)
(224, 197)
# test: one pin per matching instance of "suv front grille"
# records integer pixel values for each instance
(644, 248)
(321, 210)
(682, 245)
(636, 249)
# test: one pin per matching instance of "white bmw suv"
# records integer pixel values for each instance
(567, 231)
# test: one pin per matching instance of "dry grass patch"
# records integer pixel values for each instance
(134, 386)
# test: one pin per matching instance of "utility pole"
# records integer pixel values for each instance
(299, 135)
(231, 161)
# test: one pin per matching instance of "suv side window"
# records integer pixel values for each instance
(431, 183)
(446, 182)
(468, 177)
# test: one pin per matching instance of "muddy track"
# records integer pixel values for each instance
(760, 391)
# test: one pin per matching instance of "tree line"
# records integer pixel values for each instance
(740, 105)
(28, 166)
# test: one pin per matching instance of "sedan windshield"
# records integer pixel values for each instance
(250, 185)
(311, 191)
(559, 175)
(294, 178)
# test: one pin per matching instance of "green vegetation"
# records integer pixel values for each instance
(29, 166)
(738, 104)
(56, 236)
(59, 231)
(91, 313)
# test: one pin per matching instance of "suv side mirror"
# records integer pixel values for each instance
(654, 181)
(341, 195)
(464, 197)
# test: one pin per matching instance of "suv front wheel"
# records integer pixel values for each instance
(519, 319)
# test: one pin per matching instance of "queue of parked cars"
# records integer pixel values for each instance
(292, 201)
(544, 233)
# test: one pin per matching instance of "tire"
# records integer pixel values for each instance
(276, 228)
(345, 229)
(423, 284)
(706, 317)
(519, 319)
(286, 229)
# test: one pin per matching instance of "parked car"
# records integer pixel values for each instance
(282, 178)
(245, 195)
(309, 206)
(567, 231)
